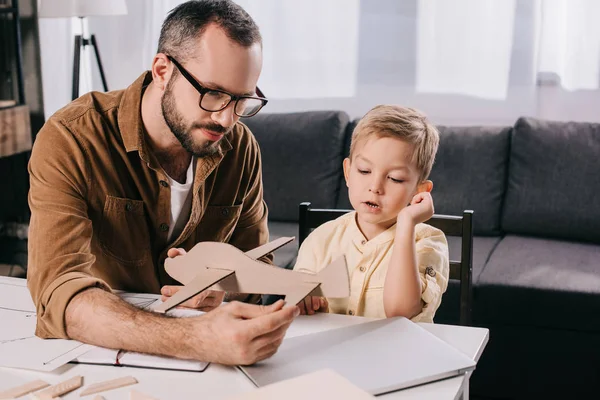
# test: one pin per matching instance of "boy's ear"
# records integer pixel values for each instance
(425, 186)
(346, 169)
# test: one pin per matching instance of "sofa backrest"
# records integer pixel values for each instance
(302, 159)
(553, 180)
(469, 173)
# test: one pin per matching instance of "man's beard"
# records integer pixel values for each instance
(176, 124)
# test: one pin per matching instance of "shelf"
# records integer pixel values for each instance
(7, 9)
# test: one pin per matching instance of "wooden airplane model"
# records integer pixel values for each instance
(221, 266)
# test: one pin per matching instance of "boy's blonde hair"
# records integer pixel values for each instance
(402, 123)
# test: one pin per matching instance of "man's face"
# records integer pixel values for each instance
(222, 64)
(381, 180)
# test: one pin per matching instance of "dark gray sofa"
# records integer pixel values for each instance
(536, 268)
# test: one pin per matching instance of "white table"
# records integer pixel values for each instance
(221, 382)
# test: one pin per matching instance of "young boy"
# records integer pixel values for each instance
(398, 265)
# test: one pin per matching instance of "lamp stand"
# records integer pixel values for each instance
(79, 43)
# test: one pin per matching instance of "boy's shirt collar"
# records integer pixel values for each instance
(360, 241)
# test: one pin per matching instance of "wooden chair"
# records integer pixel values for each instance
(461, 226)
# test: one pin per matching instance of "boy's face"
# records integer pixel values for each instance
(382, 179)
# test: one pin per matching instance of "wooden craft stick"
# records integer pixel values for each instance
(135, 395)
(24, 389)
(108, 385)
(59, 389)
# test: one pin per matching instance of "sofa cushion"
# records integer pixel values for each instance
(483, 246)
(469, 174)
(302, 159)
(553, 180)
(541, 282)
(343, 202)
(285, 256)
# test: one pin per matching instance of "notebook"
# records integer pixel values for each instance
(100, 355)
(379, 356)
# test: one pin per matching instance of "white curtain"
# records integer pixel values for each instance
(570, 43)
(459, 60)
(310, 47)
(465, 47)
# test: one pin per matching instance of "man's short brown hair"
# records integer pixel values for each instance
(402, 123)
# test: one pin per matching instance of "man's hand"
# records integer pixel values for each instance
(241, 334)
(205, 301)
(420, 209)
(313, 304)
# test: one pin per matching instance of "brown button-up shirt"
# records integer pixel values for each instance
(100, 208)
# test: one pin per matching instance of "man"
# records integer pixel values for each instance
(121, 180)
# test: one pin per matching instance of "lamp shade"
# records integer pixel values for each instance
(80, 8)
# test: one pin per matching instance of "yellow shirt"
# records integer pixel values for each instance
(368, 263)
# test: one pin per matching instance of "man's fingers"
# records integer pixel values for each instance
(169, 290)
(249, 311)
(267, 323)
(176, 251)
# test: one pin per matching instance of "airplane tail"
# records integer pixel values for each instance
(334, 278)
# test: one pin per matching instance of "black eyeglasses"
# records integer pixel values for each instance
(213, 100)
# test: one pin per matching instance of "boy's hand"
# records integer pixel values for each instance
(313, 304)
(420, 209)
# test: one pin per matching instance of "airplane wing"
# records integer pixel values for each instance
(267, 248)
(210, 276)
(201, 282)
(300, 292)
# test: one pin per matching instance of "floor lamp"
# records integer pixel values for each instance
(82, 9)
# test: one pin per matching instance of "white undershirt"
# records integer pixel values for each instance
(181, 202)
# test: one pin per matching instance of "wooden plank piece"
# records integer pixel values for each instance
(135, 395)
(59, 389)
(24, 389)
(108, 385)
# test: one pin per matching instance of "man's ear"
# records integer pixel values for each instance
(162, 69)
(425, 186)
(346, 169)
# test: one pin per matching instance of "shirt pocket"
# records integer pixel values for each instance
(218, 223)
(373, 302)
(124, 231)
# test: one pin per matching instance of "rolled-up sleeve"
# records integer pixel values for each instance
(434, 268)
(60, 232)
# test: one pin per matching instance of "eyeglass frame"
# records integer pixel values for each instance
(203, 90)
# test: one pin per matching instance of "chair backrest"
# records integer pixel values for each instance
(451, 225)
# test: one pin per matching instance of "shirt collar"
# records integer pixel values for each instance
(361, 241)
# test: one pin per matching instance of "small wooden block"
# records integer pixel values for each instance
(24, 389)
(59, 389)
(108, 385)
(135, 395)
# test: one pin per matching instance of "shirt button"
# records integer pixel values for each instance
(164, 184)
(128, 206)
(363, 242)
(164, 227)
(225, 211)
(430, 271)
(362, 268)
(350, 312)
